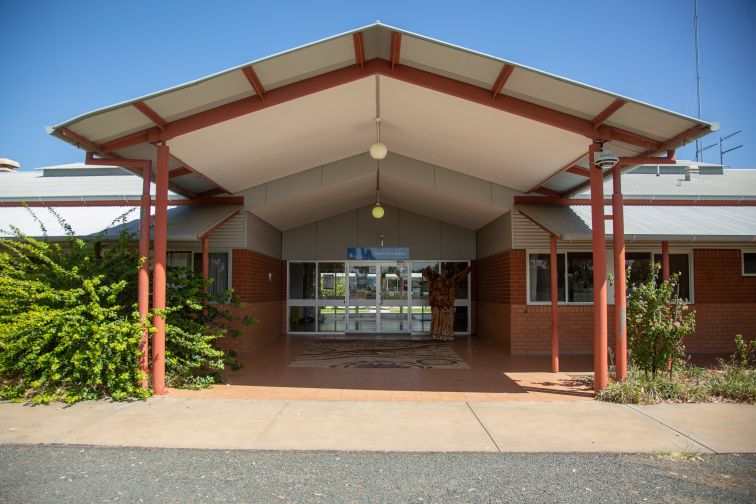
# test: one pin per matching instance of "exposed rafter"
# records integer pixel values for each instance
(607, 112)
(212, 192)
(153, 116)
(81, 142)
(359, 49)
(501, 80)
(557, 173)
(396, 48)
(579, 170)
(446, 85)
(178, 172)
(548, 192)
(254, 81)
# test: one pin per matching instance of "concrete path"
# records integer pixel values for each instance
(568, 426)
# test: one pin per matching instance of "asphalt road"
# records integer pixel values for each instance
(59, 474)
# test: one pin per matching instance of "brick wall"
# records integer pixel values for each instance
(725, 306)
(263, 298)
(725, 301)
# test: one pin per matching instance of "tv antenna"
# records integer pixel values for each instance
(722, 150)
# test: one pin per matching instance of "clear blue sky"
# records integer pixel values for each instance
(61, 59)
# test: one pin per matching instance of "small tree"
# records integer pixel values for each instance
(657, 322)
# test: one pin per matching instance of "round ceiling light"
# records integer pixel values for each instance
(378, 151)
(378, 211)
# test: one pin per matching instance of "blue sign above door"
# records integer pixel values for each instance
(378, 253)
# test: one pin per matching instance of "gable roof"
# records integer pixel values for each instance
(443, 104)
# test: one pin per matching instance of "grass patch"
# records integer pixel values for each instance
(729, 382)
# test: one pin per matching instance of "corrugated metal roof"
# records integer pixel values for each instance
(735, 184)
(85, 221)
(76, 182)
(481, 70)
(673, 223)
(185, 223)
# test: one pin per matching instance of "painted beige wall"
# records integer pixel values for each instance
(262, 237)
(426, 238)
(495, 237)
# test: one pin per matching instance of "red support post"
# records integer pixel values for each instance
(159, 277)
(620, 282)
(554, 307)
(665, 260)
(600, 366)
(205, 258)
(143, 280)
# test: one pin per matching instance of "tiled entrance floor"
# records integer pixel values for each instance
(493, 376)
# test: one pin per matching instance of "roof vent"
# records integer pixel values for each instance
(8, 165)
(689, 171)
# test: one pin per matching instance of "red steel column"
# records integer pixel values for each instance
(158, 297)
(143, 280)
(554, 307)
(620, 283)
(665, 260)
(600, 367)
(205, 258)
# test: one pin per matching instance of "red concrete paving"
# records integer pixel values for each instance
(493, 376)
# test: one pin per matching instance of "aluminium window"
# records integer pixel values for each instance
(218, 262)
(749, 262)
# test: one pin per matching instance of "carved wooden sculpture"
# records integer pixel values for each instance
(442, 292)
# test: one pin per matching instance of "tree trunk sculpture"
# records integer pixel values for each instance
(442, 293)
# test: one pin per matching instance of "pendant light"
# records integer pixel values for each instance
(378, 151)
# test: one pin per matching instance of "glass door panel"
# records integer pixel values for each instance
(363, 291)
(393, 298)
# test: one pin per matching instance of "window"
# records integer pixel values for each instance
(639, 264)
(539, 284)
(450, 269)
(217, 263)
(580, 277)
(302, 280)
(331, 280)
(680, 264)
(749, 263)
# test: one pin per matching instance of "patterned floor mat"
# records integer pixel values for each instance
(325, 353)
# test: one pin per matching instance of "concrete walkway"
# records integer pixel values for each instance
(567, 426)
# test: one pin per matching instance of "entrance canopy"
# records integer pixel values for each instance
(468, 113)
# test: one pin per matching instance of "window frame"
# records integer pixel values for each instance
(228, 253)
(609, 266)
(743, 252)
(566, 277)
(467, 302)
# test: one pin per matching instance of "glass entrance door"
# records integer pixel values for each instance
(378, 297)
(362, 313)
(393, 301)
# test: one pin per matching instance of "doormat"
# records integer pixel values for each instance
(393, 354)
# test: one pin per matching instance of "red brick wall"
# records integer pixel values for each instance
(499, 282)
(263, 298)
(725, 301)
(725, 306)
(718, 278)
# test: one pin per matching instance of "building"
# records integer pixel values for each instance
(277, 185)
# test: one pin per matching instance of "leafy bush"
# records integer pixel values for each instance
(63, 333)
(733, 380)
(69, 328)
(657, 322)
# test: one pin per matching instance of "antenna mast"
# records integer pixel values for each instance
(699, 151)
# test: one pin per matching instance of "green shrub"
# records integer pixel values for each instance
(657, 322)
(63, 334)
(69, 328)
